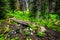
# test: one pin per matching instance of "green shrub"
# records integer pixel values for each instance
(53, 16)
(1, 36)
(16, 38)
(27, 33)
(6, 28)
(40, 34)
(13, 39)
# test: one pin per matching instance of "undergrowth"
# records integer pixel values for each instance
(52, 22)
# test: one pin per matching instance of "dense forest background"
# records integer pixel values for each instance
(29, 19)
(45, 7)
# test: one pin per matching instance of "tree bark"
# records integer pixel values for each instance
(17, 5)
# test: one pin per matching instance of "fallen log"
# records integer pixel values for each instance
(24, 22)
(20, 21)
(53, 32)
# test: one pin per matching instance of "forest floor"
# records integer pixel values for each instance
(16, 31)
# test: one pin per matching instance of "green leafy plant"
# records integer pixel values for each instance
(49, 24)
(13, 39)
(40, 34)
(28, 39)
(12, 22)
(53, 16)
(16, 38)
(27, 33)
(1, 30)
(6, 28)
(1, 36)
(1, 21)
(33, 27)
(20, 15)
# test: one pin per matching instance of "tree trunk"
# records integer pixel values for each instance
(35, 6)
(17, 5)
(52, 4)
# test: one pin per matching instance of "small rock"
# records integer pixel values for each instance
(19, 25)
(32, 33)
(5, 37)
(7, 25)
(43, 29)
(13, 32)
(31, 29)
